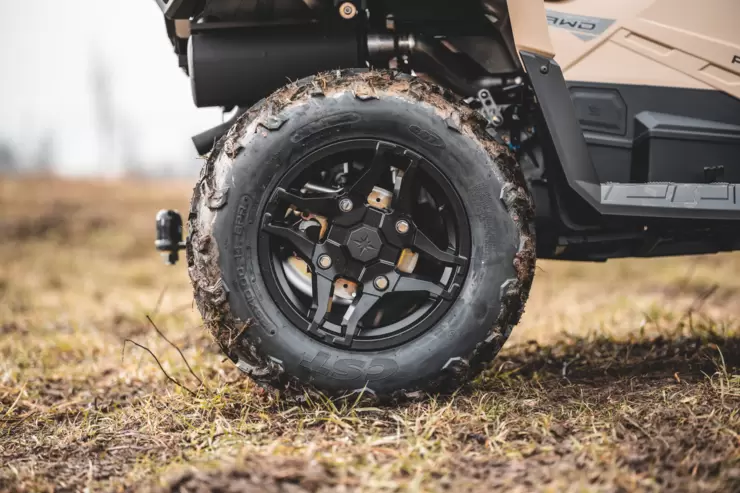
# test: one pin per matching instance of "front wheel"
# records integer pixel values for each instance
(360, 230)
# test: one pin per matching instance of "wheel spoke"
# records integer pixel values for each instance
(423, 244)
(322, 293)
(354, 314)
(323, 206)
(373, 172)
(303, 245)
(403, 194)
(413, 283)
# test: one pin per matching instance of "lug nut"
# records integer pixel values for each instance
(381, 283)
(402, 226)
(324, 261)
(345, 205)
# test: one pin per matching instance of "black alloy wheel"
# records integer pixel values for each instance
(354, 213)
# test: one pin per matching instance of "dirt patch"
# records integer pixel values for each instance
(600, 359)
(254, 475)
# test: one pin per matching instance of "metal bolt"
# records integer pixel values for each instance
(347, 10)
(544, 69)
(381, 283)
(345, 205)
(402, 226)
(324, 261)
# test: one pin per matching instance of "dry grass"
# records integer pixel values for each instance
(610, 383)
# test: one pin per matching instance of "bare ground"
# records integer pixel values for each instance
(622, 376)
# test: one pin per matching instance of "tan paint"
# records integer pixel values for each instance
(569, 48)
(679, 43)
(632, 68)
(182, 28)
(529, 26)
(697, 38)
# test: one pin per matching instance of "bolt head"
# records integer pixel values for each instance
(402, 226)
(345, 205)
(324, 261)
(381, 283)
(544, 69)
(347, 10)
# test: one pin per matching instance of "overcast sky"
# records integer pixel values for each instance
(46, 48)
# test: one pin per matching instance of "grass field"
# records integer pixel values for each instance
(622, 376)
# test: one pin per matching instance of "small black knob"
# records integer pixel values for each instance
(169, 234)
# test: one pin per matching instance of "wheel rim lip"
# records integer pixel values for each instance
(406, 328)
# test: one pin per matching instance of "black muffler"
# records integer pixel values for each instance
(238, 68)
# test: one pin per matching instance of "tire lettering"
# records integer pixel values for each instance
(426, 136)
(381, 368)
(242, 254)
(481, 198)
(316, 365)
(350, 369)
(323, 124)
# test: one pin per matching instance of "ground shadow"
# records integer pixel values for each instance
(597, 359)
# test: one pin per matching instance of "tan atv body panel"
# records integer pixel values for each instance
(674, 43)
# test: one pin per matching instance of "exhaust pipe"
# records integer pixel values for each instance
(231, 68)
(205, 141)
(238, 68)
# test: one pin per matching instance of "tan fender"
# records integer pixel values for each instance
(529, 26)
(671, 43)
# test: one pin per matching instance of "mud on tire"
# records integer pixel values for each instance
(242, 171)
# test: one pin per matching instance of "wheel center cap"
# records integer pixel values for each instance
(364, 243)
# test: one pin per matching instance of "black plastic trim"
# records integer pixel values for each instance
(565, 135)
(177, 9)
(681, 149)
(608, 114)
(563, 129)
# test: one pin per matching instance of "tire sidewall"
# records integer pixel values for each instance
(267, 154)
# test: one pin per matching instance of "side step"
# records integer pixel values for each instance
(681, 200)
(712, 201)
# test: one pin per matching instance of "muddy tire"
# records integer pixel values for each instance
(249, 219)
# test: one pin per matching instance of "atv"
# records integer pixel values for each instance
(365, 220)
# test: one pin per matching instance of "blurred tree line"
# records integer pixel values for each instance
(40, 162)
(115, 135)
